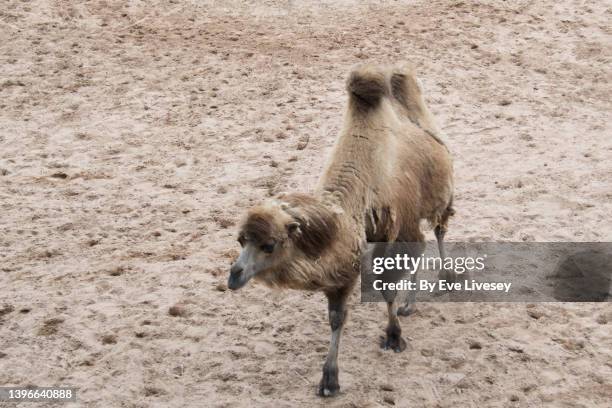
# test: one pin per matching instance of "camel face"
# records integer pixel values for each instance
(264, 238)
(254, 258)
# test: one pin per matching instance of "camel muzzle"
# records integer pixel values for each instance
(237, 277)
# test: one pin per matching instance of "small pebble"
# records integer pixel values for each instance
(177, 310)
(535, 314)
(386, 387)
(475, 345)
(427, 353)
(116, 271)
(109, 339)
(6, 309)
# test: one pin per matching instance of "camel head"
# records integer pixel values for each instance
(278, 232)
(266, 240)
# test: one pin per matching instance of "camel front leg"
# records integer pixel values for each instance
(329, 385)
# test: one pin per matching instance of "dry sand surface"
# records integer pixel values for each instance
(134, 135)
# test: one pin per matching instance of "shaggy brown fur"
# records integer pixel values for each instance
(313, 256)
(388, 170)
(318, 224)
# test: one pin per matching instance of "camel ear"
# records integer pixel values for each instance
(293, 227)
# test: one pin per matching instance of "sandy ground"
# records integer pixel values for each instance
(134, 136)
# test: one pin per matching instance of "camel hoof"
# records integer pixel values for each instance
(328, 390)
(407, 310)
(395, 343)
(448, 275)
(329, 386)
(328, 393)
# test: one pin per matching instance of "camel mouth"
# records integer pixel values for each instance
(237, 280)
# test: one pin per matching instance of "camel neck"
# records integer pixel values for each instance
(346, 183)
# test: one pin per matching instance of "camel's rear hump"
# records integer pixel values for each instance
(407, 91)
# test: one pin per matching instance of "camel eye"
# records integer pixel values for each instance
(267, 248)
(241, 240)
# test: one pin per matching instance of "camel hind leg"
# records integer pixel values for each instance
(394, 340)
(440, 231)
(415, 241)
